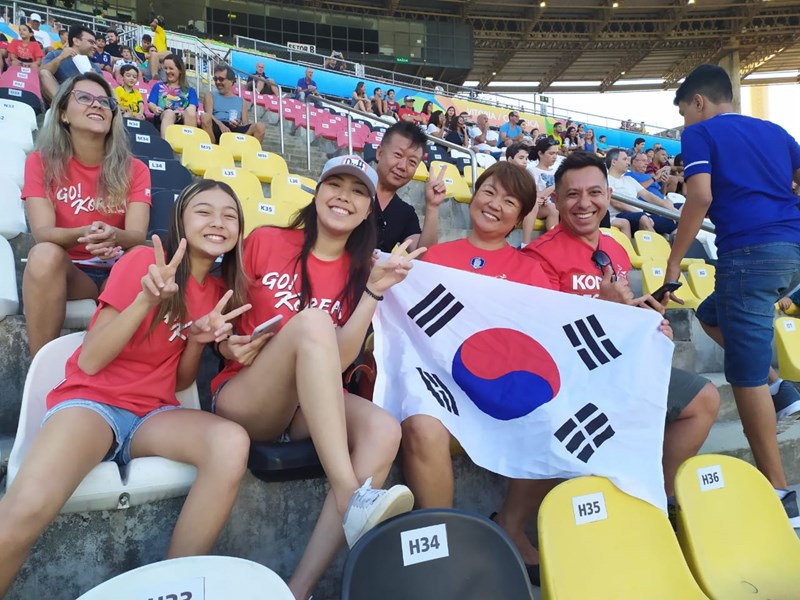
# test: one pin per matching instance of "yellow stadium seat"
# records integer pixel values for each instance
(734, 531)
(598, 543)
(622, 240)
(421, 174)
(180, 136)
(653, 277)
(199, 157)
(269, 212)
(244, 183)
(793, 310)
(701, 279)
(787, 340)
(457, 188)
(264, 165)
(296, 189)
(239, 144)
(653, 245)
(468, 174)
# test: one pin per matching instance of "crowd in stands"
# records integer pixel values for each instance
(319, 281)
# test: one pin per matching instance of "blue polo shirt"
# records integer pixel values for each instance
(751, 163)
(642, 177)
(509, 131)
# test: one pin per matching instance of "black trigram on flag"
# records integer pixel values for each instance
(589, 339)
(585, 432)
(435, 310)
(439, 391)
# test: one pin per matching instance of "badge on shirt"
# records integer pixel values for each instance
(477, 263)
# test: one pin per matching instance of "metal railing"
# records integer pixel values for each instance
(660, 210)
(68, 17)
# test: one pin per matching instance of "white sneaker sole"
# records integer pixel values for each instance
(396, 501)
(794, 522)
(788, 416)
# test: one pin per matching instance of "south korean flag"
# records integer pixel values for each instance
(533, 383)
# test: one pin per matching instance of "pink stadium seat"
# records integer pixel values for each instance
(22, 84)
(268, 101)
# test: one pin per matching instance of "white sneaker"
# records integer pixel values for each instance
(368, 507)
(787, 405)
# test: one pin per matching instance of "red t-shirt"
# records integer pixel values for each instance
(506, 263)
(143, 376)
(270, 260)
(74, 201)
(415, 116)
(29, 53)
(567, 260)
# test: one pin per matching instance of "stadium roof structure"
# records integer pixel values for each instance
(600, 45)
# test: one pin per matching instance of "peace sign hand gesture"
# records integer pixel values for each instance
(388, 271)
(159, 283)
(216, 325)
(435, 189)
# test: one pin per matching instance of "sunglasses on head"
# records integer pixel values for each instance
(602, 260)
(88, 99)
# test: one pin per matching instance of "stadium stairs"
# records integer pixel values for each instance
(271, 522)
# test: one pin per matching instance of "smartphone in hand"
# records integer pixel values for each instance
(669, 286)
(269, 326)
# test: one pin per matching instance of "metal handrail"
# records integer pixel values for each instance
(660, 210)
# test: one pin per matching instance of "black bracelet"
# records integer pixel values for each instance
(372, 294)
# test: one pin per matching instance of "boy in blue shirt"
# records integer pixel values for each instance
(748, 196)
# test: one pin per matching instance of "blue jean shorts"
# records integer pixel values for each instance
(98, 276)
(123, 423)
(749, 281)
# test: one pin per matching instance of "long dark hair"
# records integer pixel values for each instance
(360, 245)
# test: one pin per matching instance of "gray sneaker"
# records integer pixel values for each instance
(787, 405)
(789, 502)
(369, 507)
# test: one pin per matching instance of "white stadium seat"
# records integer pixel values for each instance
(207, 577)
(79, 313)
(12, 213)
(18, 111)
(9, 300)
(16, 133)
(13, 164)
(106, 487)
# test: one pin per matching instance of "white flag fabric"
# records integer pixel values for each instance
(533, 383)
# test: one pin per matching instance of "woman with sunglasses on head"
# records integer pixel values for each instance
(117, 400)
(547, 151)
(504, 194)
(322, 278)
(87, 200)
(173, 101)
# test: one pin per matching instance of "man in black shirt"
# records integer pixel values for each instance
(112, 44)
(398, 156)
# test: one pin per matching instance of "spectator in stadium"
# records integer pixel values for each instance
(102, 58)
(663, 169)
(504, 195)
(570, 256)
(41, 36)
(225, 111)
(328, 253)
(618, 163)
(510, 131)
(335, 62)
(484, 139)
(392, 104)
(758, 249)
(258, 81)
(427, 109)
(457, 131)
(602, 145)
(407, 112)
(306, 88)
(87, 200)
(589, 143)
(558, 132)
(358, 99)
(63, 39)
(435, 125)
(152, 68)
(399, 155)
(174, 101)
(546, 152)
(142, 51)
(131, 103)
(650, 154)
(379, 105)
(450, 112)
(58, 66)
(571, 141)
(652, 183)
(159, 34)
(518, 154)
(25, 51)
(117, 401)
(638, 146)
(677, 171)
(126, 58)
(112, 43)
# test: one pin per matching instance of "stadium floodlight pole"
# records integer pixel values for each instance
(661, 211)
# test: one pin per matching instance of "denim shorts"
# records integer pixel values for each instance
(749, 281)
(98, 276)
(123, 423)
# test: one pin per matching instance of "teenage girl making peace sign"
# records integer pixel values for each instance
(117, 400)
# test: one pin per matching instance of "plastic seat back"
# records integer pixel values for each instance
(264, 165)
(146, 144)
(13, 165)
(16, 133)
(19, 111)
(9, 300)
(597, 542)
(625, 242)
(270, 212)
(12, 212)
(435, 553)
(209, 577)
(244, 183)
(787, 340)
(293, 189)
(139, 126)
(421, 174)
(199, 157)
(104, 488)
(653, 272)
(734, 531)
(701, 279)
(179, 136)
(239, 143)
(168, 174)
(161, 212)
(653, 245)
(457, 188)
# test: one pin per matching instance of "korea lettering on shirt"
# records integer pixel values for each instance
(283, 286)
(588, 284)
(73, 195)
(177, 329)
